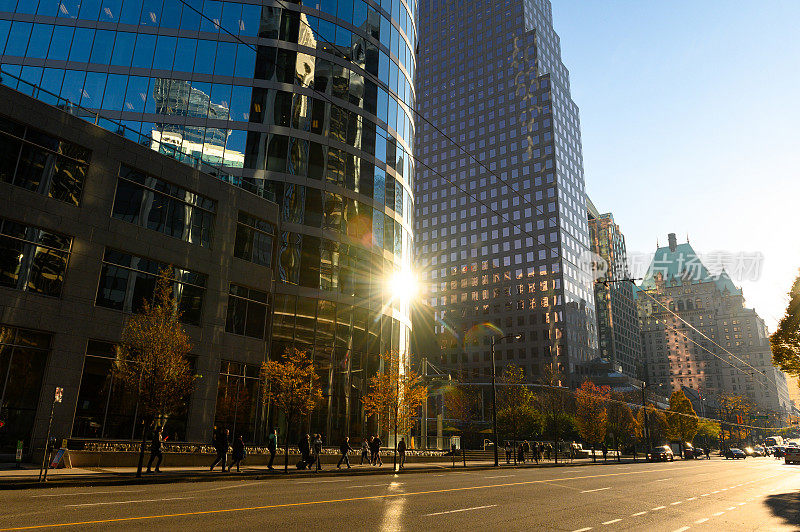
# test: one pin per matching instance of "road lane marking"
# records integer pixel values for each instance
(612, 521)
(321, 481)
(681, 529)
(368, 486)
(638, 514)
(658, 508)
(598, 489)
(327, 501)
(675, 503)
(705, 494)
(741, 503)
(717, 514)
(583, 529)
(124, 502)
(731, 508)
(500, 476)
(663, 479)
(692, 499)
(461, 510)
(85, 493)
(701, 521)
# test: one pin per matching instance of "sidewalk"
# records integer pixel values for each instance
(27, 476)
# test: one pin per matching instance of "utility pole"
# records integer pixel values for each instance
(646, 423)
(59, 393)
(494, 408)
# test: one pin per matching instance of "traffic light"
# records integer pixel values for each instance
(739, 419)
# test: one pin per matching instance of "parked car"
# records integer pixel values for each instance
(759, 451)
(792, 455)
(661, 454)
(690, 451)
(735, 453)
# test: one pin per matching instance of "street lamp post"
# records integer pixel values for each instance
(494, 396)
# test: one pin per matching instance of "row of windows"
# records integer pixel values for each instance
(248, 312)
(42, 163)
(147, 201)
(126, 281)
(33, 259)
(255, 240)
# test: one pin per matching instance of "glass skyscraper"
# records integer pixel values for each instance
(308, 104)
(491, 78)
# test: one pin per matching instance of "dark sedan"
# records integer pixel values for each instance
(735, 453)
(661, 454)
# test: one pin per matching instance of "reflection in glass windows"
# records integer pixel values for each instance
(237, 399)
(254, 240)
(247, 312)
(150, 202)
(42, 163)
(23, 356)
(107, 408)
(33, 259)
(126, 281)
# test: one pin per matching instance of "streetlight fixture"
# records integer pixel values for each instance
(494, 394)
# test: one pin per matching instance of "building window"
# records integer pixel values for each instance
(107, 408)
(23, 356)
(254, 240)
(237, 399)
(247, 311)
(150, 202)
(35, 161)
(33, 259)
(126, 281)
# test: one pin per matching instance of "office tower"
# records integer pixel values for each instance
(697, 335)
(506, 257)
(618, 332)
(307, 104)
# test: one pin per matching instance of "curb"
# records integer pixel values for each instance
(128, 479)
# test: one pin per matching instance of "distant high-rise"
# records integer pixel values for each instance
(697, 335)
(491, 78)
(618, 331)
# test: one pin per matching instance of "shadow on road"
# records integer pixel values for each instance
(786, 506)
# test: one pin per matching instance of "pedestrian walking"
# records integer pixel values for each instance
(318, 451)
(401, 450)
(376, 451)
(521, 454)
(237, 453)
(526, 447)
(304, 446)
(707, 452)
(155, 449)
(272, 446)
(547, 449)
(508, 453)
(605, 452)
(365, 451)
(221, 445)
(345, 448)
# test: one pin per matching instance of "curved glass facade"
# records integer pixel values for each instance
(307, 104)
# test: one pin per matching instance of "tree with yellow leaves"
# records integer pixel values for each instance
(291, 385)
(682, 421)
(395, 394)
(592, 413)
(152, 358)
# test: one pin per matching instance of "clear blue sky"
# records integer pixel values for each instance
(690, 112)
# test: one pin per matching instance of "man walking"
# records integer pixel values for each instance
(376, 451)
(304, 446)
(345, 448)
(238, 453)
(318, 451)
(155, 450)
(221, 445)
(365, 451)
(401, 450)
(272, 447)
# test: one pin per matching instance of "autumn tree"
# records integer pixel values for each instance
(682, 420)
(395, 394)
(731, 407)
(291, 385)
(621, 422)
(592, 413)
(516, 414)
(463, 404)
(552, 404)
(653, 423)
(785, 341)
(152, 358)
(708, 430)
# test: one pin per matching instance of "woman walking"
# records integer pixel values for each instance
(237, 454)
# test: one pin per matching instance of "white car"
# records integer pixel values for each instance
(792, 455)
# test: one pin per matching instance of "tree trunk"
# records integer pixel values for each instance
(286, 447)
(141, 450)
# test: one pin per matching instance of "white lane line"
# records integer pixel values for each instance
(86, 493)
(598, 489)
(658, 508)
(461, 510)
(612, 521)
(500, 476)
(370, 485)
(742, 504)
(731, 508)
(583, 529)
(125, 502)
(675, 503)
(701, 521)
(692, 499)
(715, 491)
(638, 514)
(321, 481)
(705, 494)
(681, 529)
(663, 479)
(717, 514)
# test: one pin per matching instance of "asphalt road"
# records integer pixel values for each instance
(752, 494)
